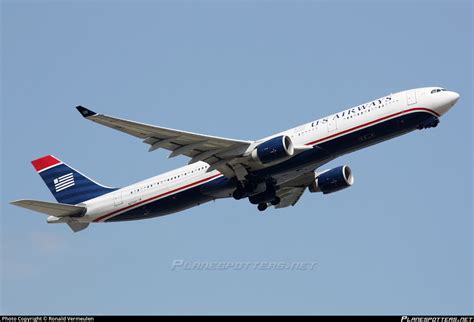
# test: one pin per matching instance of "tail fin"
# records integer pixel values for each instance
(67, 185)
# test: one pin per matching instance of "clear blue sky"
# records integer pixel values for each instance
(399, 241)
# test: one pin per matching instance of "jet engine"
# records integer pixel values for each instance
(333, 180)
(273, 150)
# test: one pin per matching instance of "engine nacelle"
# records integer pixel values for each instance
(273, 150)
(333, 180)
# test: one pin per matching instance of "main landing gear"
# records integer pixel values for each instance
(264, 205)
(246, 188)
(262, 194)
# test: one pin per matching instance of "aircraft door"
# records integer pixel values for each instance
(118, 199)
(411, 97)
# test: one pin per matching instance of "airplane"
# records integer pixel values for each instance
(270, 172)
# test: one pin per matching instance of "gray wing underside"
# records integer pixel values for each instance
(291, 192)
(289, 196)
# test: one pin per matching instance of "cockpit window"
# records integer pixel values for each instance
(437, 90)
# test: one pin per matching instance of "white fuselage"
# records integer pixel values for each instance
(312, 133)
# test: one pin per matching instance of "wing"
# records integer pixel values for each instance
(291, 191)
(198, 147)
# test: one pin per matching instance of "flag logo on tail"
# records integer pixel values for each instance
(64, 182)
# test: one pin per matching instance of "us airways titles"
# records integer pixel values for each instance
(352, 110)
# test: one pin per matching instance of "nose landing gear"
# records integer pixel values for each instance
(431, 122)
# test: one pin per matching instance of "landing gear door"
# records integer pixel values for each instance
(411, 97)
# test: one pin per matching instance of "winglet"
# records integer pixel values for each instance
(85, 111)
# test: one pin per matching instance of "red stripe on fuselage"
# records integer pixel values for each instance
(156, 197)
(374, 121)
(45, 162)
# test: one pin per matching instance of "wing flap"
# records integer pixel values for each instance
(289, 196)
(77, 226)
(291, 191)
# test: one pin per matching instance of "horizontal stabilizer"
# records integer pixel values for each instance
(51, 208)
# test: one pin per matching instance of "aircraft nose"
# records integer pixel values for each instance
(454, 97)
(446, 101)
